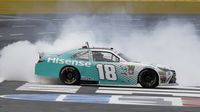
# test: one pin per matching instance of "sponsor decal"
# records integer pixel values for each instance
(68, 62)
(131, 70)
(124, 70)
(127, 70)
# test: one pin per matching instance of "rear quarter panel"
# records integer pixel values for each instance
(48, 69)
(52, 65)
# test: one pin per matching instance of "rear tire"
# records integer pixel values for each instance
(70, 76)
(148, 78)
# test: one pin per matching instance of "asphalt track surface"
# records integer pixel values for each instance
(51, 98)
(73, 102)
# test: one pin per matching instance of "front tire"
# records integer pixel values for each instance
(70, 76)
(148, 78)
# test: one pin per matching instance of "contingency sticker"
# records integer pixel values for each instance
(127, 70)
(131, 70)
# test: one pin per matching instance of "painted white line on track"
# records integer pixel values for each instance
(58, 19)
(3, 20)
(175, 101)
(151, 90)
(115, 100)
(42, 85)
(12, 16)
(16, 34)
(20, 18)
(49, 88)
(23, 26)
(136, 19)
(61, 97)
(148, 93)
(114, 92)
(145, 100)
(125, 19)
(45, 33)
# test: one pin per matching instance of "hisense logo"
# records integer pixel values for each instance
(68, 62)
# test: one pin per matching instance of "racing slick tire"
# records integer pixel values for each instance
(148, 78)
(70, 76)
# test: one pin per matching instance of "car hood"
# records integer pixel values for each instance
(137, 63)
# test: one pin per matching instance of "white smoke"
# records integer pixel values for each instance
(17, 61)
(172, 43)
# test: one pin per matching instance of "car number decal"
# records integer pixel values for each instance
(106, 72)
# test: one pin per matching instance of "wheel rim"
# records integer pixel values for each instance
(148, 78)
(69, 76)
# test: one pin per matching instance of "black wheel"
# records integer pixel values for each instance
(70, 76)
(148, 78)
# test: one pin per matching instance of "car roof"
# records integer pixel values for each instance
(100, 49)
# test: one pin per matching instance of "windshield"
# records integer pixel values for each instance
(125, 57)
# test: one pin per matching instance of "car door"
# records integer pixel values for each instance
(83, 64)
(107, 68)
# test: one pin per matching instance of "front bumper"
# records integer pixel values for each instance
(169, 84)
(173, 78)
(167, 77)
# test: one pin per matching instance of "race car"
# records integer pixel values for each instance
(103, 66)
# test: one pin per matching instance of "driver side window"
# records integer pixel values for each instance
(104, 56)
(82, 56)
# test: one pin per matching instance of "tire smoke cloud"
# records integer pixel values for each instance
(172, 43)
